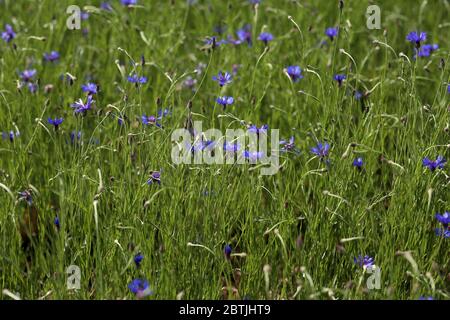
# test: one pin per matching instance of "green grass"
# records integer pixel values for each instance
(389, 206)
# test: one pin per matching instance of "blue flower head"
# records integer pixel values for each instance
(190, 83)
(321, 150)
(288, 145)
(222, 78)
(136, 79)
(55, 122)
(365, 261)
(26, 196)
(128, 2)
(252, 156)
(444, 219)
(227, 251)
(254, 129)
(331, 33)
(140, 288)
(52, 56)
(231, 147)
(339, 78)
(138, 259)
(265, 37)
(56, 222)
(433, 165)
(81, 107)
(445, 233)
(416, 38)
(358, 163)
(8, 34)
(295, 73)
(150, 120)
(27, 75)
(245, 34)
(155, 176)
(426, 50)
(90, 88)
(32, 87)
(106, 6)
(225, 101)
(164, 113)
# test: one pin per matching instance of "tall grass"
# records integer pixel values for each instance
(97, 184)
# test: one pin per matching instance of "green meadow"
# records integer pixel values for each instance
(101, 187)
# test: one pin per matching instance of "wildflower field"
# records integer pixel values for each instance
(93, 205)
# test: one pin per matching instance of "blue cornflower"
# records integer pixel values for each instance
(90, 88)
(223, 78)
(265, 37)
(426, 298)
(231, 147)
(140, 288)
(255, 1)
(416, 37)
(231, 40)
(52, 56)
(432, 165)
(106, 6)
(254, 129)
(128, 2)
(138, 259)
(331, 33)
(8, 34)
(211, 40)
(339, 78)
(358, 163)
(84, 15)
(227, 251)
(294, 72)
(288, 145)
(155, 176)
(200, 145)
(245, 34)
(208, 145)
(444, 219)
(225, 101)
(56, 222)
(190, 83)
(321, 150)
(358, 95)
(27, 75)
(365, 261)
(136, 79)
(81, 107)
(55, 122)
(448, 88)
(10, 135)
(75, 135)
(150, 120)
(163, 113)
(32, 87)
(442, 233)
(27, 196)
(253, 156)
(426, 50)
